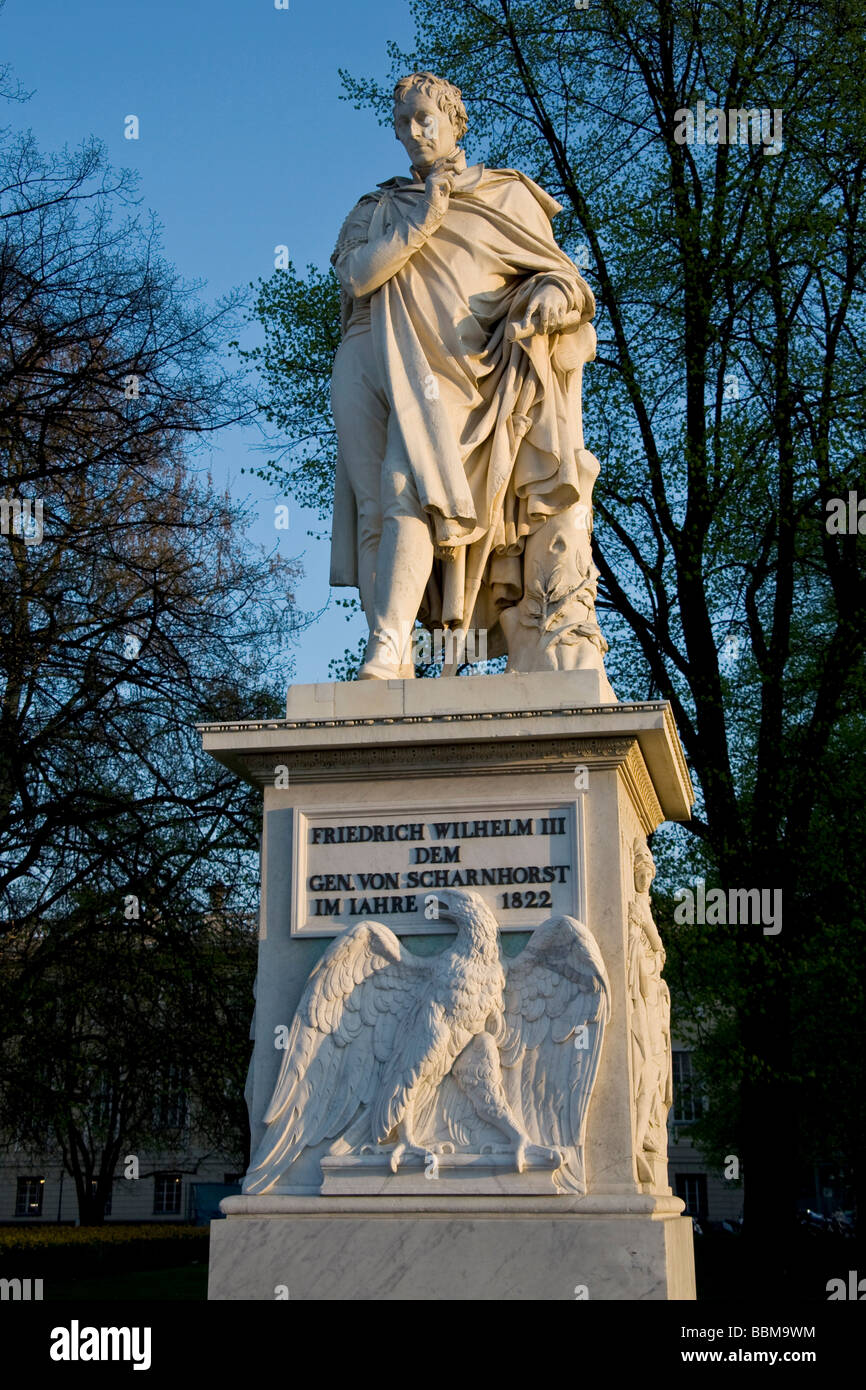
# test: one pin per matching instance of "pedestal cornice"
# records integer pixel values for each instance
(486, 724)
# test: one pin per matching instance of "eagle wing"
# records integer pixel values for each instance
(346, 1028)
(557, 1004)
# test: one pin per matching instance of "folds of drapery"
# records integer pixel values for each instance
(490, 428)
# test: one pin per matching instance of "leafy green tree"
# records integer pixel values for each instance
(301, 319)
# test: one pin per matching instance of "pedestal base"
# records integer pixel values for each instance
(450, 1256)
(536, 793)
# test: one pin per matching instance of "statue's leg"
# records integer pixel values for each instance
(403, 568)
(361, 413)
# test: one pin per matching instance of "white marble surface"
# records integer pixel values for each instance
(626, 1202)
(488, 1174)
(449, 695)
(451, 1258)
(389, 728)
(497, 743)
(619, 802)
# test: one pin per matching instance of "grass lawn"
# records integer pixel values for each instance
(183, 1282)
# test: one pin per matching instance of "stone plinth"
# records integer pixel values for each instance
(276, 1248)
(535, 791)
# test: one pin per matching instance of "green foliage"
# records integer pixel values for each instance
(301, 322)
(347, 666)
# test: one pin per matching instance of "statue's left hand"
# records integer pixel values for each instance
(545, 313)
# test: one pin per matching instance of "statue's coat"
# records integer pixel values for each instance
(496, 445)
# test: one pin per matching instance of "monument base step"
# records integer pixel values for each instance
(386, 1257)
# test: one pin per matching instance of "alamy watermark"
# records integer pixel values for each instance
(22, 516)
(77, 1343)
(448, 646)
(738, 907)
(854, 1289)
(451, 646)
(21, 1290)
(731, 126)
(846, 517)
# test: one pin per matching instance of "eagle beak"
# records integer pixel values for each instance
(445, 912)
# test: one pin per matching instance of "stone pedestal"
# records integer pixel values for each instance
(273, 1248)
(538, 791)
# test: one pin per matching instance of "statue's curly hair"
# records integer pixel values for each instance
(447, 97)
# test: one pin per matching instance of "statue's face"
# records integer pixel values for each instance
(425, 132)
(643, 875)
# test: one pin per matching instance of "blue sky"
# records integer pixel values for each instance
(243, 145)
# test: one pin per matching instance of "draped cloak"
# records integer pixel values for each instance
(491, 429)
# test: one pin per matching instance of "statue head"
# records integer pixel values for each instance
(429, 118)
(644, 867)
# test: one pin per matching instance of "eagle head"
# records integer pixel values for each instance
(469, 913)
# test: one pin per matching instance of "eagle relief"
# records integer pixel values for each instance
(464, 1059)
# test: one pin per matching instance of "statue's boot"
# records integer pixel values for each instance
(403, 567)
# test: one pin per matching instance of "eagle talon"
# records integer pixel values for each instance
(403, 1148)
(550, 1155)
(524, 1151)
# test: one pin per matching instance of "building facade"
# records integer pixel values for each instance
(710, 1197)
(167, 1188)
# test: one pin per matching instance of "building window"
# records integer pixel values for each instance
(167, 1194)
(692, 1187)
(104, 1110)
(688, 1105)
(28, 1196)
(171, 1108)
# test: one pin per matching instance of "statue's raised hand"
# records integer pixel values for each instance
(439, 183)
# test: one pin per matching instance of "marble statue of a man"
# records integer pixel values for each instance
(463, 489)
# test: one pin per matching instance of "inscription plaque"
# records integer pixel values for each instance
(352, 865)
